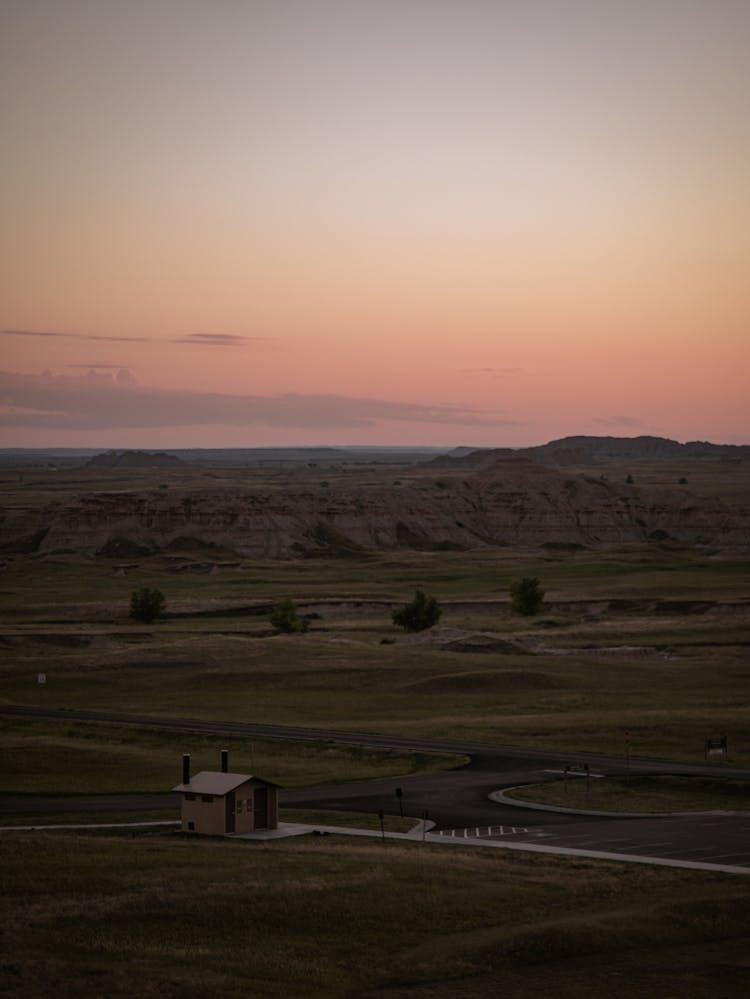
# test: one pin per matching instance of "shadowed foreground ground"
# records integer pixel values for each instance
(328, 917)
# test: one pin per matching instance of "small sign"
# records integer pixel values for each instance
(716, 744)
(41, 678)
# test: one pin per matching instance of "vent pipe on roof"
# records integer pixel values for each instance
(225, 761)
(186, 768)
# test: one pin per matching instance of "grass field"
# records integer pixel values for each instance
(159, 915)
(356, 820)
(55, 758)
(641, 794)
(586, 670)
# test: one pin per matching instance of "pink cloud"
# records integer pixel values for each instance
(101, 400)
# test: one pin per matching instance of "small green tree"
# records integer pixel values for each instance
(420, 613)
(525, 595)
(284, 617)
(146, 604)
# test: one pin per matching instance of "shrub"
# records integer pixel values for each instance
(525, 595)
(284, 617)
(420, 613)
(146, 604)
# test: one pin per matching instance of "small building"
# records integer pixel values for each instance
(219, 803)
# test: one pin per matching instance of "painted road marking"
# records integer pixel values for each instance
(596, 846)
(482, 832)
(573, 773)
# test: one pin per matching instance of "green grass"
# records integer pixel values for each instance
(89, 591)
(641, 794)
(358, 820)
(161, 915)
(672, 679)
(54, 758)
(79, 818)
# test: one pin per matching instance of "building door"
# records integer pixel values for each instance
(229, 822)
(261, 808)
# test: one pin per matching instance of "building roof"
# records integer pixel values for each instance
(209, 782)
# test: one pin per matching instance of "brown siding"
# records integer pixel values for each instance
(210, 817)
(207, 817)
(273, 808)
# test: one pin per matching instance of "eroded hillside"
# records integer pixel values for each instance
(514, 501)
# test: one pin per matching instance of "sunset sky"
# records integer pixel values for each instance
(479, 222)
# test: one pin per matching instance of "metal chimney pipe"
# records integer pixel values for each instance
(225, 761)
(186, 768)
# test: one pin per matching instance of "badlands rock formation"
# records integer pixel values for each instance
(514, 502)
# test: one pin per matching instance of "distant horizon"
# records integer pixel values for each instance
(356, 447)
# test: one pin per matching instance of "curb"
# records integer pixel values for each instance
(499, 797)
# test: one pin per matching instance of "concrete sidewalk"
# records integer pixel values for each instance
(286, 829)
(421, 834)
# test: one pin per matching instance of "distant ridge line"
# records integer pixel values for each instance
(562, 451)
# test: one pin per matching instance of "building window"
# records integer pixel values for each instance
(191, 826)
(207, 797)
(239, 807)
(189, 797)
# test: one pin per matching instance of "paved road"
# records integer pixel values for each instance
(458, 800)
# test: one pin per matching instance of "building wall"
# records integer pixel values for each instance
(273, 807)
(246, 812)
(201, 815)
(209, 817)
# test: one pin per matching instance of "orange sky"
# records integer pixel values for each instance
(327, 221)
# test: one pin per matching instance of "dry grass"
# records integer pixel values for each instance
(160, 915)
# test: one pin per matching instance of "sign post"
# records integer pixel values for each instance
(400, 796)
(575, 770)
